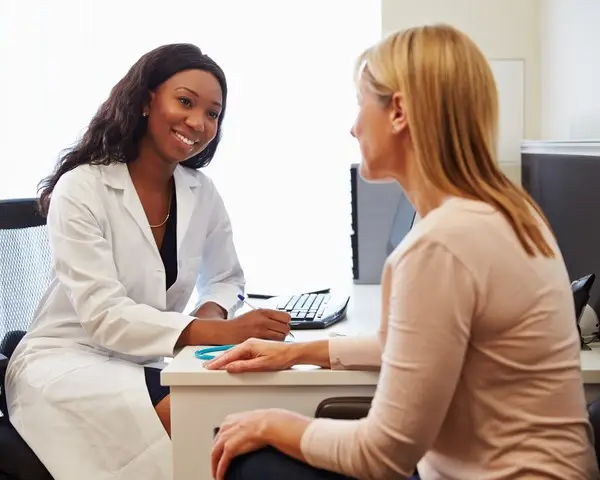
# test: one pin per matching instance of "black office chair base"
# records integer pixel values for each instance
(18, 460)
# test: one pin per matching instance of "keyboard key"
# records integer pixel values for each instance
(312, 297)
(292, 303)
(304, 303)
(317, 303)
(283, 302)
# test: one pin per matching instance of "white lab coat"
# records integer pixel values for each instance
(75, 385)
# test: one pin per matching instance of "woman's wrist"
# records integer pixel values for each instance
(284, 430)
(311, 353)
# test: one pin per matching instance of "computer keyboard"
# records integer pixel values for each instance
(313, 310)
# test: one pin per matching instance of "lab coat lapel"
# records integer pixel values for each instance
(118, 177)
(133, 205)
(185, 183)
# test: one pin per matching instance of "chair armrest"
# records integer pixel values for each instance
(3, 417)
(344, 408)
(3, 364)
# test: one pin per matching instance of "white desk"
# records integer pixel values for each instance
(201, 399)
(590, 371)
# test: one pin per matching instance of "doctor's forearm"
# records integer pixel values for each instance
(206, 329)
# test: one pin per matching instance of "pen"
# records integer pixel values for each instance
(243, 300)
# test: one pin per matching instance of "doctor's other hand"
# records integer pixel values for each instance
(260, 323)
(255, 356)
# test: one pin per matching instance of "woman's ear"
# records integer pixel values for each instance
(397, 113)
(148, 104)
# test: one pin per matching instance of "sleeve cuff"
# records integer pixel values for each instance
(222, 294)
(179, 326)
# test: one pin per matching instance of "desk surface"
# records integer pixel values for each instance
(590, 364)
(363, 317)
(187, 370)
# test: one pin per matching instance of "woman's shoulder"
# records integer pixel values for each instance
(458, 226)
(203, 185)
(459, 222)
(195, 177)
(81, 180)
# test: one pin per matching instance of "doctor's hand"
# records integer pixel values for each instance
(259, 323)
(255, 356)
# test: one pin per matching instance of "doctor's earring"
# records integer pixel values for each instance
(145, 114)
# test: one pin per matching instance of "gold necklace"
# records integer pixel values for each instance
(168, 213)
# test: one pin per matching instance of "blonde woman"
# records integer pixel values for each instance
(478, 349)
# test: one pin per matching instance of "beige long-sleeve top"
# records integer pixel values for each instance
(480, 367)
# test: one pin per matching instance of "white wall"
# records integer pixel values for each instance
(570, 33)
(504, 29)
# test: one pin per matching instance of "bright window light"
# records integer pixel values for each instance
(283, 165)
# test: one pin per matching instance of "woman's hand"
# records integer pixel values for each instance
(255, 356)
(248, 431)
(259, 323)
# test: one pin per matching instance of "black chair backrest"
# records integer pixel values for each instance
(594, 414)
(581, 292)
(25, 262)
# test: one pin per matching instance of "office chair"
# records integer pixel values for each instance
(581, 295)
(594, 414)
(25, 272)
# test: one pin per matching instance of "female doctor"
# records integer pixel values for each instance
(134, 227)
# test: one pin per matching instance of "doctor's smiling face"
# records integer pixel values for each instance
(167, 109)
(183, 114)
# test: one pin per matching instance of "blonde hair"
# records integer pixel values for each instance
(451, 103)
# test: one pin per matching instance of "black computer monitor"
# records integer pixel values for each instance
(567, 189)
(404, 219)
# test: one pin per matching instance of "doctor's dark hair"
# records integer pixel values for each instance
(117, 127)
